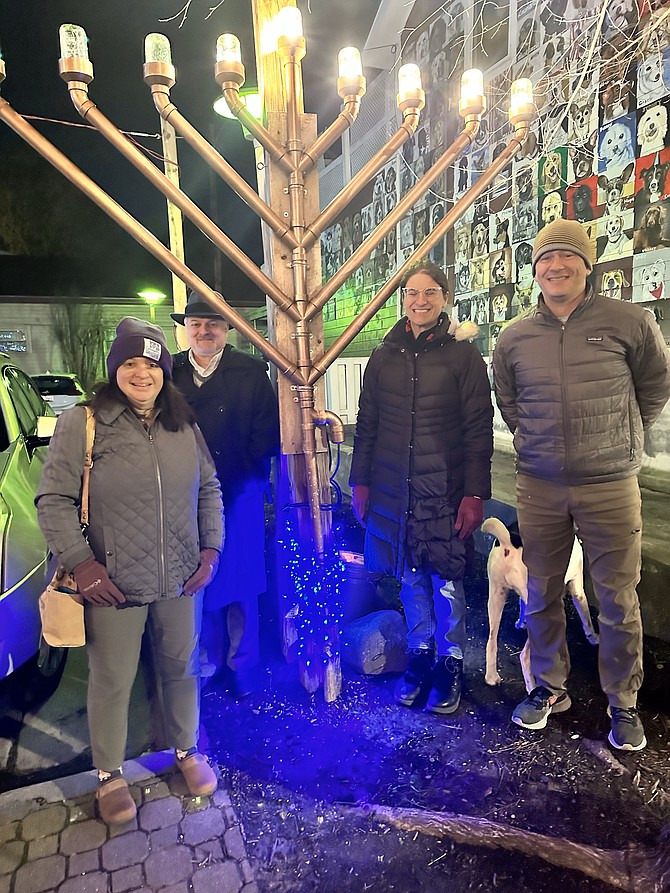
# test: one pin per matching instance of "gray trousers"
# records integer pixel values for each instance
(113, 640)
(608, 518)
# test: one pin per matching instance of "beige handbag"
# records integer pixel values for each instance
(61, 606)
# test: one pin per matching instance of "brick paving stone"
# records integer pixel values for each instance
(168, 866)
(221, 797)
(8, 832)
(11, 856)
(5, 883)
(229, 815)
(160, 813)
(196, 804)
(155, 791)
(234, 843)
(204, 825)
(247, 871)
(208, 851)
(250, 888)
(176, 888)
(81, 810)
(163, 838)
(120, 830)
(43, 846)
(44, 822)
(14, 810)
(129, 849)
(44, 874)
(221, 878)
(127, 879)
(82, 836)
(80, 863)
(95, 882)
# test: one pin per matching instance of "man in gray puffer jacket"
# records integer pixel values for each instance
(578, 381)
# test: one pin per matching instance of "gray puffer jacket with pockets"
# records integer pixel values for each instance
(578, 395)
(154, 503)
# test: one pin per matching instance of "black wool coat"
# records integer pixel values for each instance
(237, 412)
(424, 439)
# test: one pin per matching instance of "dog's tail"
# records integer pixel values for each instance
(496, 528)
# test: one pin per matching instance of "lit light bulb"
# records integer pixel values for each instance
(349, 63)
(288, 23)
(409, 79)
(522, 106)
(157, 49)
(73, 42)
(472, 101)
(472, 85)
(521, 94)
(228, 49)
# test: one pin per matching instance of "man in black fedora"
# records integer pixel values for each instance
(236, 409)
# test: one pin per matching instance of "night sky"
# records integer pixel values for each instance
(29, 43)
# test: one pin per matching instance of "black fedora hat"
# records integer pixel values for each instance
(197, 306)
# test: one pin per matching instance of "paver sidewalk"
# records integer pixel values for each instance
(51, 840)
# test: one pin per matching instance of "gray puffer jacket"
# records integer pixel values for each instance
(154, 503)
(578, 395)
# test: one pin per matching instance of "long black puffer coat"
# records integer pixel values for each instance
(424, 439)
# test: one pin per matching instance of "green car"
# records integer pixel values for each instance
(26, 425)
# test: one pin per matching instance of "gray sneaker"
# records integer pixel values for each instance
(532, 712)
(627, 731)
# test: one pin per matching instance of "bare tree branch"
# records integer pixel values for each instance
(637, 869)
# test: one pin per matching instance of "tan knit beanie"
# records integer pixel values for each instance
(563, 235)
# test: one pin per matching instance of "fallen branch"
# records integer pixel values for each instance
(637, 869)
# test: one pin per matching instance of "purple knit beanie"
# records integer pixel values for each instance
(136, 338)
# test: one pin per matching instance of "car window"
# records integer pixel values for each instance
(56, 385)
(25, 398)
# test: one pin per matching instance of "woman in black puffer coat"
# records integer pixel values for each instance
(421, 469)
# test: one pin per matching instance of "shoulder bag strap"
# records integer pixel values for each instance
(88, 465)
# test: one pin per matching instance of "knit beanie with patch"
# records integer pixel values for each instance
(563, 235)
(136, 338)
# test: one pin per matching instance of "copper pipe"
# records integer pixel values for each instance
(344, 120)
(145, 238)
(339, 203)
(331, 420)
(460, 144)
(90, 112)
(169, 112)
(320, 366)
(296, 188)
(274, 149)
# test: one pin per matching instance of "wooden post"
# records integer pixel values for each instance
(316, 669)
(175, 225)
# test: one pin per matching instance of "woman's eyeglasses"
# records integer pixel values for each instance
(431, 292)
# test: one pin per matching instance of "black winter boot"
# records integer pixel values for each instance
(446, 682)
(408, 687)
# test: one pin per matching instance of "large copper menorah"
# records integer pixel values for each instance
(293, 223)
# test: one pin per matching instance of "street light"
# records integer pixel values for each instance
(153, 298)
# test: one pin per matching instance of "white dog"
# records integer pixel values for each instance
(506, 570)
(617, 243)
(652, 281)
(616, 147)
(650, 79)
(652, 129)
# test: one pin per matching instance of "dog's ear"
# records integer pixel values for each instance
(603, 182)
(627, 171)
